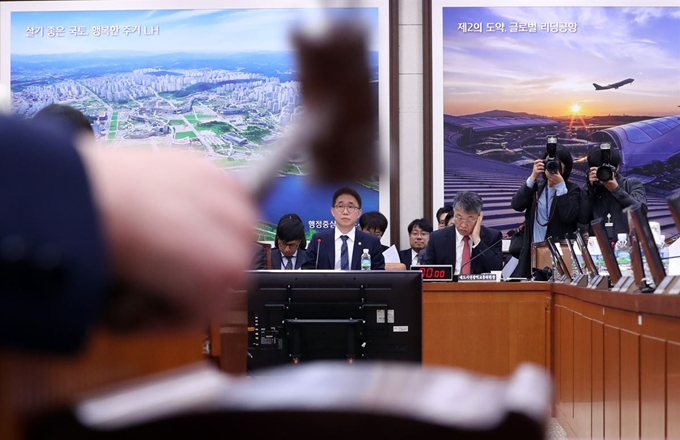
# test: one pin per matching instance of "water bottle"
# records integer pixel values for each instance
(598, 259)
(365, 260)
(664, 252)
(622, 249)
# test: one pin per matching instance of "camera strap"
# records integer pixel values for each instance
(546, 188)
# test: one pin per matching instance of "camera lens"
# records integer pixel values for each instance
(604, 173)
(552, 166)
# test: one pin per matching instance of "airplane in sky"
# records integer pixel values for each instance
(615, 85)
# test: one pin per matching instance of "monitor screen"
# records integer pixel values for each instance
(300, 316)
(587, 258)
(558, 261)
(607, 250)
(574, 257)
(637, 220)
(674, 206)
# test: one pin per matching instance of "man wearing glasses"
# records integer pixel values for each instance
(340, 248)
(419, 231)
(289, 243)
(468, 246)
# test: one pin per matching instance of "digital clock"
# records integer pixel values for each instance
(435, 272)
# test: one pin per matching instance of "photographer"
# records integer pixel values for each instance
(550, 204)
(607, 193)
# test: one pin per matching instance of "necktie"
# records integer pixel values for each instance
(289, 264)
(465, 267)
(344, 254)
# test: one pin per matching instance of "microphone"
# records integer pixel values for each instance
(510, 233)
(480, 254)
(318, 245)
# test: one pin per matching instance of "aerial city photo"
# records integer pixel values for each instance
(513, 75)
(219, 83)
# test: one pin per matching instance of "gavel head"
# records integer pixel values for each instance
(341, 114)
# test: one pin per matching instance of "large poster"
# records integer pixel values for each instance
(217, 78)
(506, 75)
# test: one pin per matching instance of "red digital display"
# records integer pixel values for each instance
(435, 272)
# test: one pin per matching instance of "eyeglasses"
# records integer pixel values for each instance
(375, 232)
(292, 245)
(349, 208)
(464, 220)
(420, 234)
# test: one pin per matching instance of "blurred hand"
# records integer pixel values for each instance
(175, 225)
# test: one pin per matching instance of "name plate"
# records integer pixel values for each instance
(477, 277)
(435, 272)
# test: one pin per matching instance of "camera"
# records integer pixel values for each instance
(605, 172)
(552, 164)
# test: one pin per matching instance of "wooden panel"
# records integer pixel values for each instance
(567, 364)
(652, 387)
(582, 376)
(630, 384)
(485, 327)
(455, 329)
(672, 390)
(557, 350)
(529, 320)
(597, 414)
(612, 383)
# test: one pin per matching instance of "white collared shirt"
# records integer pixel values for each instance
(338, 246)
(284, 260)
(414, 257)
(459, 250)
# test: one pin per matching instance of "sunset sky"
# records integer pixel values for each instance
(552, 74)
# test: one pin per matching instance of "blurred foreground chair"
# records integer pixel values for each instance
(323, 400)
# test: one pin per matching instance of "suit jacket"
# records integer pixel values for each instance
(406, 257)
(441, 249)
(326, 251)
(277, 257)
(53, 269)
(564, 211)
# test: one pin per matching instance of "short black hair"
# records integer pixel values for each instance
(62, 114)
(595, 156)
(442, 210)
(349, 191)
(422, 223)
(290, 228)
(564, 156)
(373, 220)
(468, 201)
(448, 218)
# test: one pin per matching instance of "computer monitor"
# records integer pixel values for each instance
(636, 263)
(558, 261)
(637, 221)
(674, 207)
(570, 244)
(300, 316)
(607, 250)
(591, 267)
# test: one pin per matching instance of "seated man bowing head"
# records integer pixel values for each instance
(341, 247)
(468, 246)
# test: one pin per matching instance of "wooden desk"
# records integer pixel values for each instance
(617, 363)
(486, 327)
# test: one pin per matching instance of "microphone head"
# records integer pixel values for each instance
(510, 233)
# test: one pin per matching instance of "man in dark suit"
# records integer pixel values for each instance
(289, 243)
(419, 231)
(341, 247)
(469, 247)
